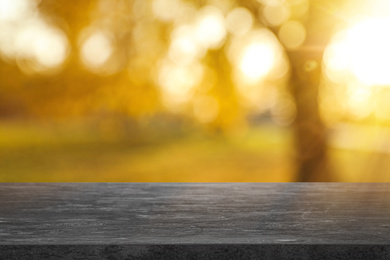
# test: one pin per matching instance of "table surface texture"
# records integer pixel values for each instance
(194, 213)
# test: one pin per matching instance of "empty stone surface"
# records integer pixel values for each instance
(194, 213)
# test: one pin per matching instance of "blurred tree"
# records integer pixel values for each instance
(71, 17)
(305, 77)
(305, 68)
(306, 61)
(136, 44)
(319, 21)
(117, 85)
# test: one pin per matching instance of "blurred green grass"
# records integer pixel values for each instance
(76, 153)
(30, 153)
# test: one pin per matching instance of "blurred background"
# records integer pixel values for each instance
(194, 91)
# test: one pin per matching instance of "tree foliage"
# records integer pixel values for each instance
(195, 58)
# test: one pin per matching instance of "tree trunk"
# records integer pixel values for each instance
(306, 74)
(309, 130)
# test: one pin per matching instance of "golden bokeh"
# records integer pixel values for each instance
(187, 90)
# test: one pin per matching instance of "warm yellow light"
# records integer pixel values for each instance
(206, 108)
(166, 10)
(178, 82)
(210, 27)
(256, 56)
(15, 9)
(362, 51)
(371, 47)
(292, 34)
(257, 60)
(298, 8)
(46, 45)
(359, 102)
(184, 49)
(382, 105)
(239, 21)
(277, 12)
(96, 50)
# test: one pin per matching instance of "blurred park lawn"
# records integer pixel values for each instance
(75, 153)
(40, 154)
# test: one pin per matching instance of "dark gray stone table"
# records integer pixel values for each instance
(194, 221)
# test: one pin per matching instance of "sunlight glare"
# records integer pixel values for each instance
(50, 47)
(363, 50)
(256, 56)
(47, 45)
(257, 60)
(15, 9)
(371, 47)
(210, 27)
(336, 58)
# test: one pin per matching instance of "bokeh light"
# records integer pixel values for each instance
(256, 55)
(48, 46)
(363, 50)
(239, 21)
(184, 48)
(178, 82)
(224, 87)
(96, 50)
(210, 29)
(166, 9)
(257, 60)
(15, 9)
(276, 12)
(292, 34)
(36, 45)
(358, 58)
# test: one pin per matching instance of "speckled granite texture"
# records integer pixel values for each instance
(194, 221)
